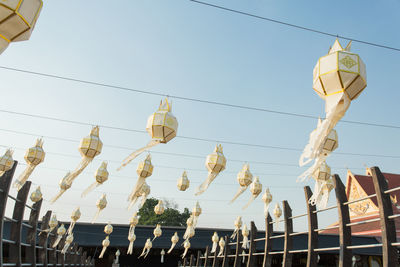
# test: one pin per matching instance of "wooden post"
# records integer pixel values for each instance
(52, 256)
(60, 256)
(238, 251)
(198, 260)
(83, 259)
(288, 242)
(251, 262)
(43, 237)
(345, 254)
(312, 256)
(5, 182)
(32, 233)
(268, 241)
(215, 256)
(89, 261)
(184, 262)
(191, 262)
(225, 260)
(78, 256)
(389, 252)
(206, 256)
(16, 225)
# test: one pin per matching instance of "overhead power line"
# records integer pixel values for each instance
(182, 137)
(296, 26)
(203, 101)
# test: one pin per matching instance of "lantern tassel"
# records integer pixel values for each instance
(323, 199)
(24, 177)
(214, 247)
(54, 199)
(311, 169)
(221, 251)
(138, 152)
(65, 248)
(171, 248)
(145, 252)
(239, 192)
(130, 248)
(102, 252)
(133, 195)
(82, 165)
(203, 187)
(185, 252)
(89, 189)
(57, 241)
(317, 192)
(96, 215)
(71, 227)
(266, 207)
(235, 233)
(245, 244)
(250, 201)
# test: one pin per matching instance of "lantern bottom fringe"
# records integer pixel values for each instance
(54, 199)
(96, 215)
(250, 201)
(130, 248)
(102, 252)
(239, 192)
(171, 248)
(65, 248)
(19, 183)
(221, 251)
(145, 252)
(214, 247)
(203, 187)
(57, 241)
(245, 244)
(138, 152)
(82, 165)
(185, 252)
(266, 207)
(90, 189)
(323, 199)
(235, 232)
(317, 192)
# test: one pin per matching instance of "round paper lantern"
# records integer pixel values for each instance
(174, 241)
(183, 182)
(76, 214)
(36, 195)
(221, 244)
(108, 229)
(157, 232)
(105, 243)
(244, 178)
(101, 204)
(214, 240)
(267, 199)
(255, 189)
(6, 162)
(159, 208)
(101, 175)
(186, 246)
(64, 186)
(277, 214)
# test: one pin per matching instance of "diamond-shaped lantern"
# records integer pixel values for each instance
(17, 20)
(162, 125)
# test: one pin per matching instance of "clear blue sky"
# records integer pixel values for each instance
(186, 49)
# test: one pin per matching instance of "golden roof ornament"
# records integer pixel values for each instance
(157, 232)
(101, 204)
(255, 189)
(245, 234)
(144, 170)
(36, 195)
(267, 199)
(18, 19)
(6, 161)
(105, 243)
(131, 238)
(221, 244)
(146, 249)
(76, 214)
(186, 245)
(214, 240)
(60, 233)
(215, 163)
(101, 175)
(174, 241)
(238, 225)
(277, 214)
(183, 182)
(159, 208)
(33, 157)
(244, 178)
(68, 241)
(64, 186)
(162, 127)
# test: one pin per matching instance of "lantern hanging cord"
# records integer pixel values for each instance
(211, 102)
(296, 26)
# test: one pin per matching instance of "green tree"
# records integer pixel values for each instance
(171, 216)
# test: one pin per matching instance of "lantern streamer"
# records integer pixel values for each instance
(186, 245)
(68, 242)
(147, 247)
(221, 247)
(76, 214)
(174, 241)
(60, 232)
(101, 176)
(101, 204)
(255, 189)
(105, 243)
(131, 238)
(6, 161)
(238, 225)
(214, 240)
(244, 178)
(144, 170)
(64, 186)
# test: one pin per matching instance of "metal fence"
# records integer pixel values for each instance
(233, 253)
(36, 250)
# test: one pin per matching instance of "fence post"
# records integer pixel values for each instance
(191, 262)
(206, 256)
(215, 256)
(238, 249)
(312, 256)
(268, 241)
(43, 237)
(16, 225)
(89, 261)
(389, 252)
(5, 182)
(345, 254)
(184, 262)
(83, 259)
(78, 257)
(225, 261)
(252, 249)
(60, 256)
(198, 260)
(32, 233)
(288, 242)
(52, 256)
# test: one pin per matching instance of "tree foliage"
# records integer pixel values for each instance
(171, 216)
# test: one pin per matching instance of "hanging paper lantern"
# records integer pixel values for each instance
(68, 241)
(147, 247)
(143, 192)
(174, 241)
(238, 225)
(215, 163)
(157, 232)
(162, 127)
(53, 223)
(159, 208)
(133, 221)
(64, 186)
(89, 148)
(183, 182)
(36, 195)
(60, 232)
(186, 245)
(6, 162)
(33, 157)
(101, 205)
(221, 244)
(108, 229)
(144, 170)
(101, 176)
(105, 243)
(245, 234)
(277, 214)
(196, 212)
(321, 176)
(244, 178)
(131, 238)
(76, 214)
(18, 18)
(255, 189)
(267, 199)
(189, 233)
(323, 198)
(214, 240)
